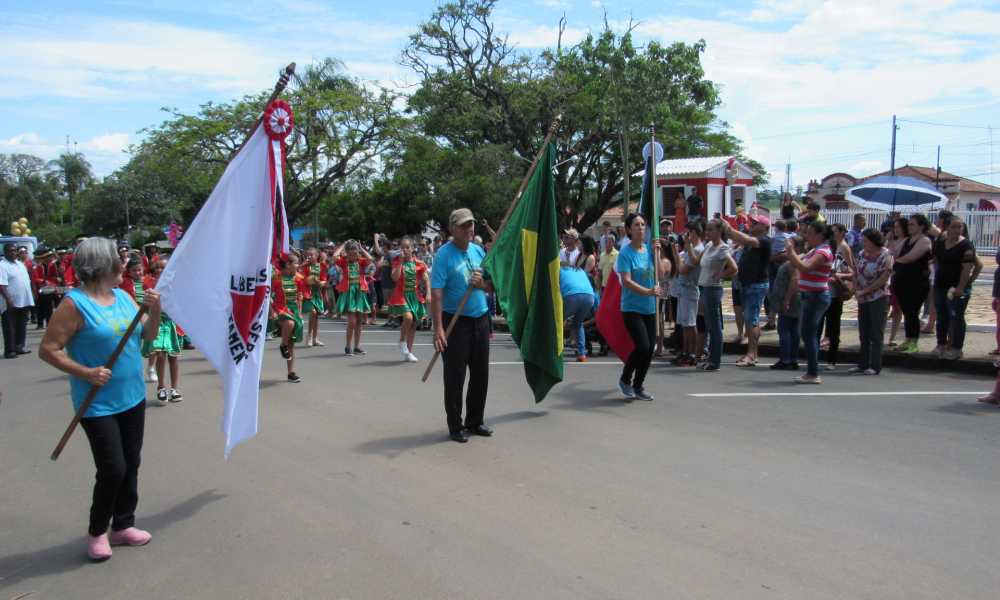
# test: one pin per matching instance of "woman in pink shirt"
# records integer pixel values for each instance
(814, 274)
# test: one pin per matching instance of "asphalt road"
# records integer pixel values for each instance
(884, 487)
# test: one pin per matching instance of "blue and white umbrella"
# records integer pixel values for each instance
(895, 192)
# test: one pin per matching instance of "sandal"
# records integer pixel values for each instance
(854, 370)
(746, 362)
(994, 352)
(892, 342)
(991, 398)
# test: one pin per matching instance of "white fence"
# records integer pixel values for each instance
(984, 225)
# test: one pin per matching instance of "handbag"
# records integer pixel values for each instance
(840, 289)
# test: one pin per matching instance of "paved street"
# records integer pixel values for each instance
(738, 484)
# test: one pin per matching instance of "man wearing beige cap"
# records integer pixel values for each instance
(567, 256)
(456, 267)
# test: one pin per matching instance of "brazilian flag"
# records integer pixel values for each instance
(524, 264)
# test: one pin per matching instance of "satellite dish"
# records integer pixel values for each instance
(145, 233)
(646, 151)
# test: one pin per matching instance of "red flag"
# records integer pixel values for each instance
(610, 322)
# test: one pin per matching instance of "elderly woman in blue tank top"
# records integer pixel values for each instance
(83, 333)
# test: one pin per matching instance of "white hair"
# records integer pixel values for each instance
(96, 258)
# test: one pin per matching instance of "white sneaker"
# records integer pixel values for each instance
(152, 374)
(269, 336)
(410, 357)
(403, 349)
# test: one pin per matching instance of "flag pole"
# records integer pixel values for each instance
(503, 225)
(94, 389)
(655, 228)
(278, 89)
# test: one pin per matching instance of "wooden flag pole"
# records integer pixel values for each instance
(503, 225)
(93, 390)
(278, 89)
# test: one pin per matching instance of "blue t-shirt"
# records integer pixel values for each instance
(92, 346)
(574, 281)
(452, 272)
(640, 265)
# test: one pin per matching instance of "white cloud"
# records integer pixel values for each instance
(25, 139)
(867, 167)
(109, 142)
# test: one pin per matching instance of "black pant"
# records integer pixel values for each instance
(15, 329)
(871, 331)
(46, 304)
(911, 293)
(677, 334)
(468, 349)
(832, 318)
(642, 329)
(116, 442)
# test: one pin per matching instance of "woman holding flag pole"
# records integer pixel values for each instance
(639, 272)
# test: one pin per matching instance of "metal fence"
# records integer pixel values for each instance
(984, 225)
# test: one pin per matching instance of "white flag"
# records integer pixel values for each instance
(216, 285)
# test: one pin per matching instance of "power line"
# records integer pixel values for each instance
(946, 124)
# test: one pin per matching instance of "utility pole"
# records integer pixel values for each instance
(892, 158)
(937, 177)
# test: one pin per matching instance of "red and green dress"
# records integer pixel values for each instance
(312, 297)
(352, 287)
(406, 298)
(286, 303)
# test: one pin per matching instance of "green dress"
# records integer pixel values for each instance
(166, 340)
(412, 305)
(290, 290)
(354, 299)
(316, 302)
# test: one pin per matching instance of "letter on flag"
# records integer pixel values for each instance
(216, 284)
(524, 264)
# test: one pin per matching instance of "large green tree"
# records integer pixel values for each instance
(128, 198)
(27, 189)
(74, 173)
(341, 125)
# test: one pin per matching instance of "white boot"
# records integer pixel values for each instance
(403, 349)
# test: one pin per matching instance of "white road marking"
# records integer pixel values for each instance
(876, 393)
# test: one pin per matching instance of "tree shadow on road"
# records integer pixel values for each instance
(72, 555)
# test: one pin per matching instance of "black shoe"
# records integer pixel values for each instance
(768, 327)
(781, 366)
(459, 436)
(359, 351)
(285, 352)
(793, 366)
(348, 351)
(294, 378)
(24, 352)
(482, 430)
(603, 352)
(641, 394)
(187, 346)
(10, 355)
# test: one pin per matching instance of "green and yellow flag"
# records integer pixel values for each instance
(524, 264)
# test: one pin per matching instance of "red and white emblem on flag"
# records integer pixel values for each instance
(278, 120)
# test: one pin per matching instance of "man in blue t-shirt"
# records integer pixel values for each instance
(457, 269)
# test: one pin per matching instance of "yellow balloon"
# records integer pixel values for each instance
(14, 225)
(23, 221)
(27, 232)
(15, 232)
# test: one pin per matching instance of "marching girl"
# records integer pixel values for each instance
(313, 299)
(166, 348)
(288, 287)
(407, 302)
(352, 259)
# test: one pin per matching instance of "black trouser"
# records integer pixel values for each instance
(468, 349)
(15, 329)
(116, 442)
(677, 334)
(871, 331)
(911, 293)
(832, 318)
(46, 304)
(642, 329)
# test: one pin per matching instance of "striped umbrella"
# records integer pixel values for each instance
(893, 191)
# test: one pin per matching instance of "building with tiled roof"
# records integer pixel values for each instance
(963, 193)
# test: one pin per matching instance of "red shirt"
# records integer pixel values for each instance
(343, 263)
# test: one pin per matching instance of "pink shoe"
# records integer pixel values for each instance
(129, 537)
(98, 547)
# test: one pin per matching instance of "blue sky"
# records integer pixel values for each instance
(100, 71)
